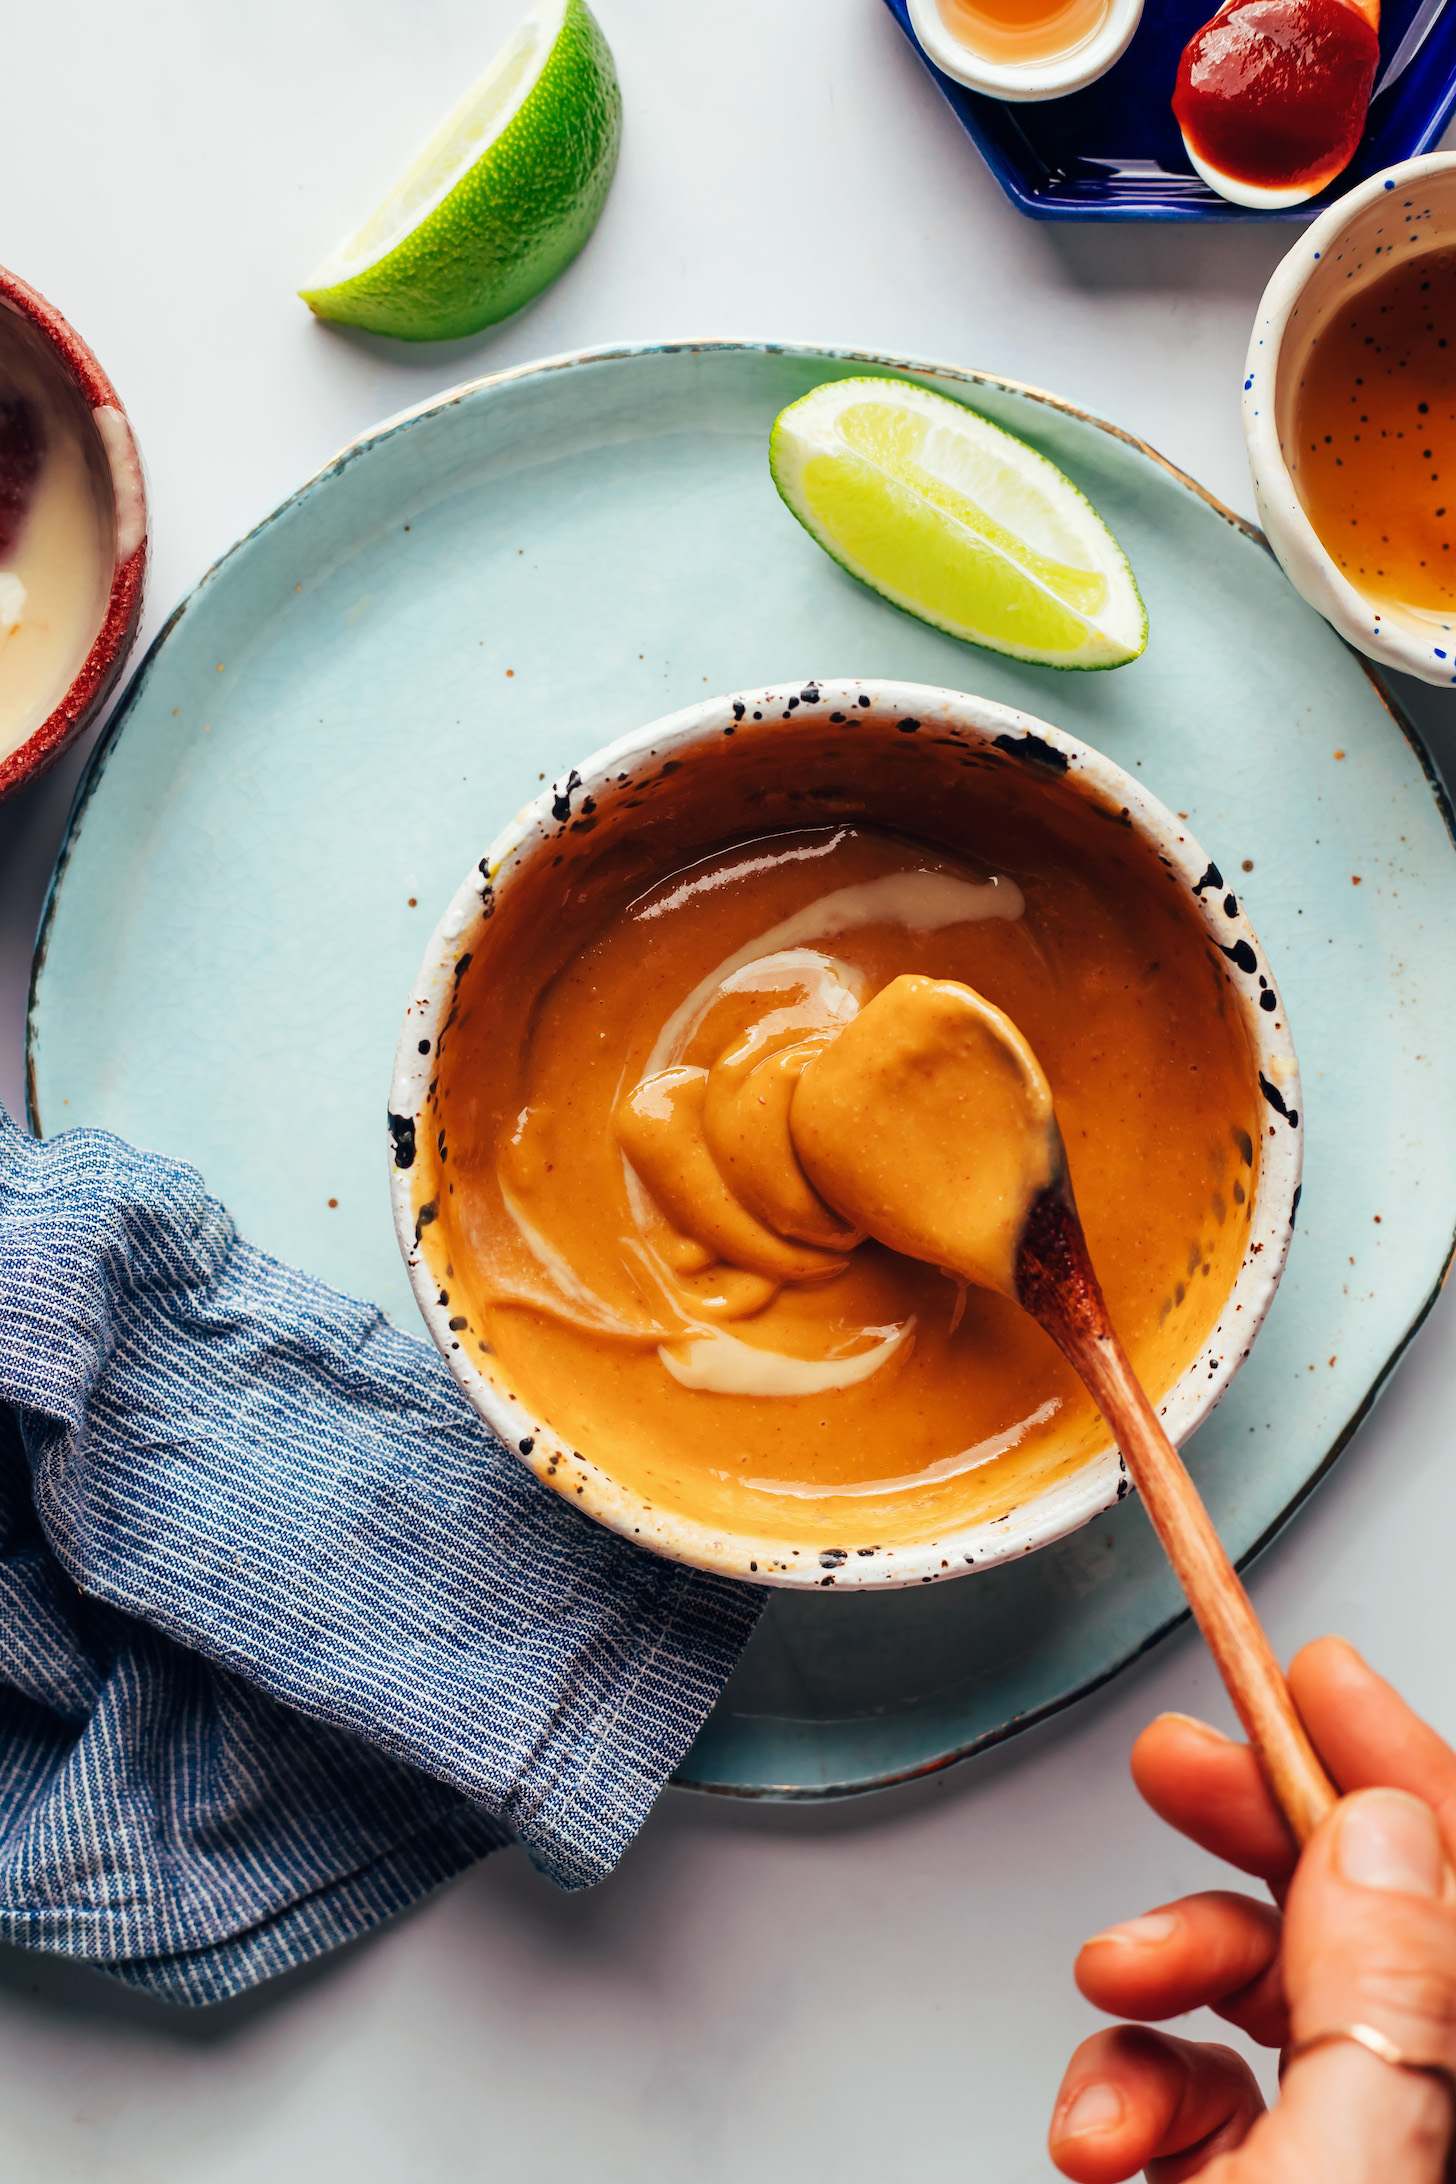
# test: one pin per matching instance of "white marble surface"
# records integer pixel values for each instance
(876, 1990)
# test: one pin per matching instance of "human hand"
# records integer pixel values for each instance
(1368, 1937)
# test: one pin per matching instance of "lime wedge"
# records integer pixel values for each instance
(951, 518)
(501, 198)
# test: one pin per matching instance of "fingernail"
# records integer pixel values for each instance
(1153, 1927)
(1389, 1840)
(1096, 2108)
(1204, 1728)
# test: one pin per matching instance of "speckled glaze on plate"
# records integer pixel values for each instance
(466, 600)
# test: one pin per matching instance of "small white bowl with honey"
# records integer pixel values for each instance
(1024, 50)
(593, 1178)
(1350, 416)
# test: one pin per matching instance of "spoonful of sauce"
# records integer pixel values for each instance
(928, 1123)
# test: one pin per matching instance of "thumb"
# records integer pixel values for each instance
(1370, 1939)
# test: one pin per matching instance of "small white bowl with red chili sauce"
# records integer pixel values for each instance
(1272, 96)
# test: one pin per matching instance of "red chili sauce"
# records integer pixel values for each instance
(1274, 92)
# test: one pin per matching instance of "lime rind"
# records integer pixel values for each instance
(888, 477)
(469, 129)
(501, 198)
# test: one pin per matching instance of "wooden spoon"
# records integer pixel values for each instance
(928, 1123)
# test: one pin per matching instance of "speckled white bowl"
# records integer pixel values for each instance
(922, 735)
(1056, 78)
(1407, 208)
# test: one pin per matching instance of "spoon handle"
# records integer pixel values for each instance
(1056, 1284)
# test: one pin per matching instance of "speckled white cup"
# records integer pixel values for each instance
(921, 737)
(1401, 211)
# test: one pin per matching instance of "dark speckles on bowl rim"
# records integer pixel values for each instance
(101, 669)
(640, 764)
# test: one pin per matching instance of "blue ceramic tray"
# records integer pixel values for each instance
(343, 714)
(1113, 151)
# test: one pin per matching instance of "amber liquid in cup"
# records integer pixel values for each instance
(1375, 432)
(1020, 32)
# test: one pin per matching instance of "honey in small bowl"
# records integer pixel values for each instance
(1017, 32)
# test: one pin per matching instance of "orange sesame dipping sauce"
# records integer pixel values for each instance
(621, 1217)
(1374, 460)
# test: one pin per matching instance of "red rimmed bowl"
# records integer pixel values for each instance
(72, 499)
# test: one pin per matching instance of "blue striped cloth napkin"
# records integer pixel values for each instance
(287, 1638)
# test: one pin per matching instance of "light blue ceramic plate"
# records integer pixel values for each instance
(348, 707)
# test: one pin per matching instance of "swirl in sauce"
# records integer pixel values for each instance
(628, 1221)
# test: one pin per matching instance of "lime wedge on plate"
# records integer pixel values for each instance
(501, 198)
(951, 518)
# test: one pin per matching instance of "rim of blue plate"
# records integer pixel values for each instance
(620, 353)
